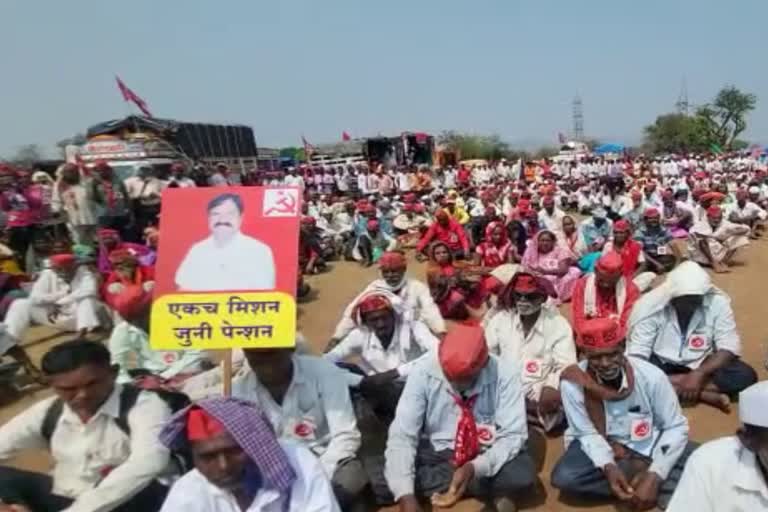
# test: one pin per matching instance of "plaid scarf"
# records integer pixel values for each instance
(467, 443)
(248, 425)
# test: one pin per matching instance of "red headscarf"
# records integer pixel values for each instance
(202, 426)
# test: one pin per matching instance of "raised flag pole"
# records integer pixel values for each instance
(226, 373)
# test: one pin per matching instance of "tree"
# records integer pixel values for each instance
(725, 118)
(27, 155)
(293, 152)
(676, 133)
(470, 146)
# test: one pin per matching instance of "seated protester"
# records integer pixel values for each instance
(240, 465)
(705, 366)
(604, 293)
(311, 259)
(596, 230)
(133, 356)
(660, 255)
(304, 399)
(446, 230)
(748, 213)
(714, 241)
(729, 474)
(410, 224)
(126, 276)
(387, 343)
(550, 216)
(627, 436)
(459, 430)
(38, 252)
(634, 215)
(65, 297)
(452, 284)
(677, 220)
(538, 339)
(372, 243)
(545, 258)
(109, 241)
(414, 294)
(530, 222)
(496, 248)
(631, 253)
(457, 213)
(102, 437)
(569, 238)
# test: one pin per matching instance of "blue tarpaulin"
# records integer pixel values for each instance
(609, 148)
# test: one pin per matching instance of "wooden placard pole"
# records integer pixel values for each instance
(226, 372)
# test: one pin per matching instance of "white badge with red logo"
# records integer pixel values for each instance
(169, 357)
(697, 342)
(304, 429)
(532, 369)
(662, 250)
(641, 429)
(486, 433)
(550, 264)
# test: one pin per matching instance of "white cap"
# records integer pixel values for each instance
(752, 405)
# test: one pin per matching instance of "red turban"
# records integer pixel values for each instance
(463, 352)
(610, 263)
(107, 233)
(525, 283)
(442, 215)
(392, 260)
(372, 225)
(621, 225)
(599, 333)
(202, 426)
(62, 260)
(712, 196)
(372, 302)
(651, 212)
(714, 211)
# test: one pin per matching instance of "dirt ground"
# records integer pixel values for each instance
(333, 290)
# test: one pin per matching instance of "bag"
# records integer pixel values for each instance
(176, 401)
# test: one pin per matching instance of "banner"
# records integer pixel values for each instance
(227, 268)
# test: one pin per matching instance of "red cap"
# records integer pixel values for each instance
(599, 333)
(202, 426)
(610, 263)
(651, 212)
(393, 260)
(714, 211)
(372, 225)
(62, 260)
(621, 225)
(463, 352)
(372, 302)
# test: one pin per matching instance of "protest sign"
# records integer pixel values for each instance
(227, 268)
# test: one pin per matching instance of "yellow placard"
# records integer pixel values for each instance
(223, 320)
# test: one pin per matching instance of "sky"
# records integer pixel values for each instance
(319, 67)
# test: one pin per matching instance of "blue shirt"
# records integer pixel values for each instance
(427, 410)
(592, 232)
(653, 402)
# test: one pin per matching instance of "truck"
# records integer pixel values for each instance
(406, 149)
(133, 142)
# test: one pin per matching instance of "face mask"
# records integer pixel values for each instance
(526, 308)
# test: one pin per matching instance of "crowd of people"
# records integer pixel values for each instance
(426, 390)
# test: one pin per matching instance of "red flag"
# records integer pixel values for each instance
(129, 95)
(345, 136)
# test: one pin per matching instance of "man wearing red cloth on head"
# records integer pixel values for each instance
(240, 466)
(459, 430)
(627, 437)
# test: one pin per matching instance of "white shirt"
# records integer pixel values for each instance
(410, 341)
(711, 328)
(316, 409)
(311, 492)
(50, 289)
(721, 476)
(82, 453)
(138, 187)
(749, 212)
(542, 355)
(553, 222)
(244, 263)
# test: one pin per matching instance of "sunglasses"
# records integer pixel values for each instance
(531, 296)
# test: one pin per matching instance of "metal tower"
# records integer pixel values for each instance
(682, 104)
(578, 119)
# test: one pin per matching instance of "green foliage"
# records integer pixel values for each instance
(470, 146)
(714, 125)
(294, 152)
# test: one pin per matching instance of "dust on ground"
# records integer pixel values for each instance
(332, 291)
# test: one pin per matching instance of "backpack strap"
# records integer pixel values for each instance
(51, 419)
(128, 397)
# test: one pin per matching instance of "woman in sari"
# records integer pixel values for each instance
(545, 258)
(631, 252)
(449, 285)
(127, 278)
(496, 248)
(570, 238)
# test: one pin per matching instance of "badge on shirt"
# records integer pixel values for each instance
(662, 250)
(486, 433)
(453, 238)
(169, 357)
(532, 369)
(697, 342)
(304, 429)
(641, 429)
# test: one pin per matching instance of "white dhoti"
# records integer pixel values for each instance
(717, 248)
(81, 314)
